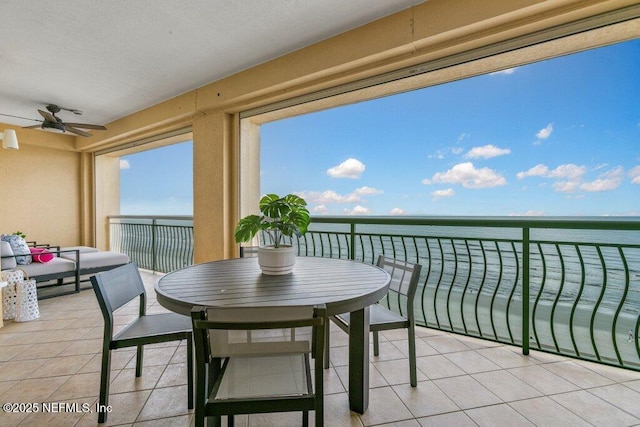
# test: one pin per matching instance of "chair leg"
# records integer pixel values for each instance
(376, 344)
(230, 421)
(139, 356)
(305, 418)
(190, 371)
(105, 374)
(412, 355)
(327, 343)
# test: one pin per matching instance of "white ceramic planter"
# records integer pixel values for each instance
(276, 261)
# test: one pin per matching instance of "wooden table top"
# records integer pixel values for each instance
(343, 285)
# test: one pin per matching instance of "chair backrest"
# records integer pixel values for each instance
(116, 287)
(244, 331)
(404, 282)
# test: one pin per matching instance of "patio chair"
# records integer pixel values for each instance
(266, 370)
(115, 288)
(402, 290)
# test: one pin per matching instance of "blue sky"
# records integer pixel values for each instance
(558, 137)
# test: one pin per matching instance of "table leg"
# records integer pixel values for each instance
(359, 360)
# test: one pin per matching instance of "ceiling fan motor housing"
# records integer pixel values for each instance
(54, 126)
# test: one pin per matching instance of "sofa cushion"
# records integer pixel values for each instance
(55, 266)
(101, 259)
(5, 250)
(19, 247)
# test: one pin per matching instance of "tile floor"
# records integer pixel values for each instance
(462, 381)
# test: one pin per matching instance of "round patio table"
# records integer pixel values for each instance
(342, 285)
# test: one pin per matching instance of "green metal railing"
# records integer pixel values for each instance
(563, 285)
(160, 243)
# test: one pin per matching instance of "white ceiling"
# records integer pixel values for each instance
(112, 58)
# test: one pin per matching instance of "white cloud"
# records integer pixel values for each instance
(350, 168)
(487, 152)
(124, 164)
(323, 198)
(438, 194)
(634, 174)
(504, 72)
(537, 170)
(397, 211)
(462, 137)
(320, 209)
(365, 191)
(469, 176)
(569, 171)
(545, 133)
(566, 186)
(607, 181)
(358, 210)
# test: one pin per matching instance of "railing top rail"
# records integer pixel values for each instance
(590, 223)
(151, 217)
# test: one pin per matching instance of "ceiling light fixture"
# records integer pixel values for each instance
(9, 139)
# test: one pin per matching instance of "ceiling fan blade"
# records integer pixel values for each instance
(85, 126)
(19, 117)
(31, 127)
(48, 116)
(76, 131)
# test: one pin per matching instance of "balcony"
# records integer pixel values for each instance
(462, 380)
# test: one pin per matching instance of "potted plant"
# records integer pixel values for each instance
(281, 216)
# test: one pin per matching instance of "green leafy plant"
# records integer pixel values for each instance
(281, 216)
(20, 234)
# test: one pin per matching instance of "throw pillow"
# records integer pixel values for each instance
(41, 255)
(19, 247)
(5, 250)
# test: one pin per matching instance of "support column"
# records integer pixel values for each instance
(215, 189)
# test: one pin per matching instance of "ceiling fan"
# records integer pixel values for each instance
(54, 123)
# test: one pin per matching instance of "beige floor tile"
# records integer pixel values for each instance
(126, 380)
(457, 419)
(438, 367)
(620, 396)
(425, 400)
(472, 362)
(80, 386)
(577, 374)
(384, 407)
(165, 402)
(337, 413)
(8, 351)
(466, 392)
(506, 386)
(507, 357)
(397, 371)
(67, 365)
(34, 390)
(497, 416)
(124, 407)
(19, 369)
(543, 411)
(593, 409)
(58, 413)
(543, 380)
(85, 346)
(43, 350)
(180, 421)
(446, 344)
(173, 375)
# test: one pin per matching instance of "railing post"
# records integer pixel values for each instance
(352, 239)
(153, 244)
(525, 289)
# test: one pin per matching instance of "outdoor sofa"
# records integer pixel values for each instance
(65, 266)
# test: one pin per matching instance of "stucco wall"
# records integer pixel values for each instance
(39, 189)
